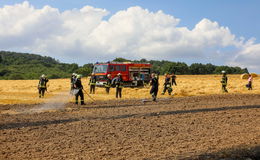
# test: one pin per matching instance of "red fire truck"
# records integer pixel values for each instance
(133, 74)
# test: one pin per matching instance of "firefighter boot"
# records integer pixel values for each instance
(169, 91)
(82, 102)
(154, 97)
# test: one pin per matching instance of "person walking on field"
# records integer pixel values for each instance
(92, 83)
(154, 83)
(174, 79)
(118, 81)
(224, 81)
(167, 85)
(42, 85)
(108, 84)
(250, 80)
(78, 86)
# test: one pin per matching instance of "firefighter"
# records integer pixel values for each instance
(154, 83)
(42, 86)
(223, 81)
(250, 80)
(174, 79)
(108, 84)
(78, 86)
(167, 85)
(118, 81)
(92, 83)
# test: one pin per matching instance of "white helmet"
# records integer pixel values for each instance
(223, 72)
(43, 76)
(119, 74)
(74, 74)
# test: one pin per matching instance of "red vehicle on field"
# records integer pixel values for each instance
(133, 74)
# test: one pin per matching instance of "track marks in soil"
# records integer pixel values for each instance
(163, 113)
(169, 129)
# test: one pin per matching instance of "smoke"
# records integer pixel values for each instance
(57, 102)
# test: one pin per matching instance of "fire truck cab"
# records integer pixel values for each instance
(133, 74)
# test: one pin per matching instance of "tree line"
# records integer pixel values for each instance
(30, 66)
(163, 66)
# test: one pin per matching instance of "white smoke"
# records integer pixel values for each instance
(57, 102)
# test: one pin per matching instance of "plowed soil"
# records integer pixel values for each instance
(205, 127)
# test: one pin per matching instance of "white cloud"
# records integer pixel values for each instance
(249, 56)
(132, 33)
(21, 25)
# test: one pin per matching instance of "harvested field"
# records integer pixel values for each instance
(25, 91)
(201, 127)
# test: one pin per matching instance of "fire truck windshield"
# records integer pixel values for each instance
(100, 68)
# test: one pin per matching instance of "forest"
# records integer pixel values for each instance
(31, 66)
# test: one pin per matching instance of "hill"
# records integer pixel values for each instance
(30, 66)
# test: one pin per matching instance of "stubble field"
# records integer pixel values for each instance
(198, 122)
(25, 91)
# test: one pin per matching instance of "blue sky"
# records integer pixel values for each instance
(241, 16)
(206, 31)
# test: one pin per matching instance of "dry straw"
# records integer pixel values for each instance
(25, 91)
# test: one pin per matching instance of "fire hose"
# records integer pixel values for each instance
(88, 95)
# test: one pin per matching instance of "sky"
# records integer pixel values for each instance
(220, 32)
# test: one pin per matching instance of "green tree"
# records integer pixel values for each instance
(198, 68)
(210, 68)
(143, 60)
(16, 76)
(119, 59)
(85, 71)
(4, 72)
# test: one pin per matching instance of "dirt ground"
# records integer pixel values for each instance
(201, 127)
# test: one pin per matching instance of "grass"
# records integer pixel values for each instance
(25, 91)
